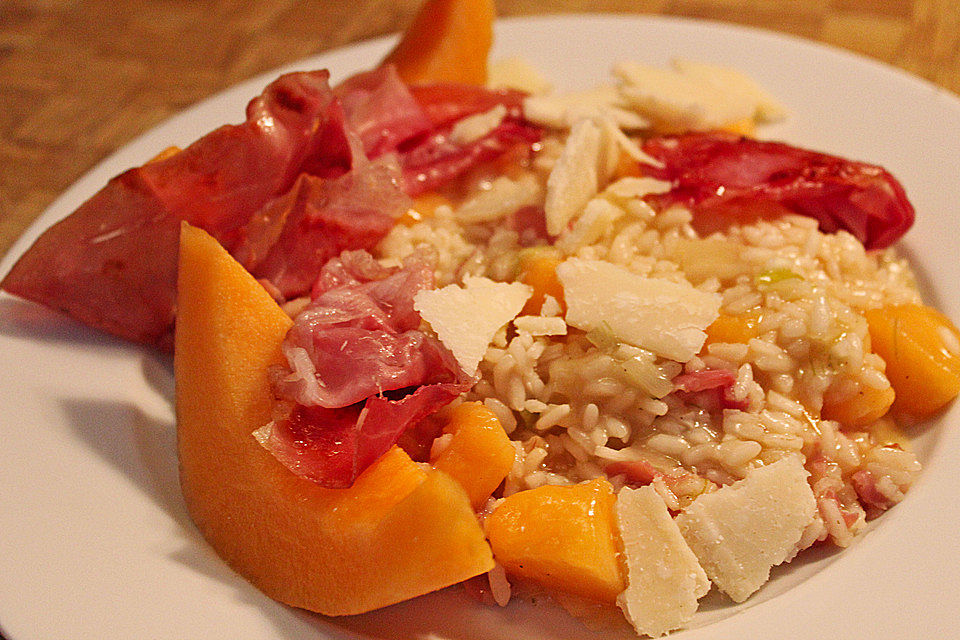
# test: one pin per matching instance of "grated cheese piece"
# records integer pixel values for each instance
(662, 316)
(472, 128)
(517, 73)
(466, 318)
(664, 579)
(743, 530)
(683, 102)
(766, 107)
(541, 326)
(503, 197)
(574, 178)
(562, 111)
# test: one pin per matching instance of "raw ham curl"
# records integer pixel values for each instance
(359, 371)
(285, 191)
(112, 263)
(710, 170)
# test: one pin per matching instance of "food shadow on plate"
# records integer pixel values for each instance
(143, 448)
(22, 319)
(140, 445)
(450, 614)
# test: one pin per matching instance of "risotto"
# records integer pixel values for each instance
(780, 367)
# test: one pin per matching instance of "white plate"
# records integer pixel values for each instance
(95, 541)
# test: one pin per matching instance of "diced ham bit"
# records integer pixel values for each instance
(713, 170)
(711, 389)
(359, 371)
(683, 484)
(637, 473)
(874, 501)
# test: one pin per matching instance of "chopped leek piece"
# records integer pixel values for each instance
(602, 337)
(773, 276)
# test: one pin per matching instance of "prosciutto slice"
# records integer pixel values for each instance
(112, 263)
(284, 191)
(382, 111)
(414, 122)
(359, 371)
(289, 240)
(710, 170)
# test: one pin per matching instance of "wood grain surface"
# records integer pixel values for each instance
(80, 78)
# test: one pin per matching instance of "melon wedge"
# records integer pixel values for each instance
(401, 530)
(448, 41)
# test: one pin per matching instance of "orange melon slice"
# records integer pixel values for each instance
(448, 41)
(400, 531)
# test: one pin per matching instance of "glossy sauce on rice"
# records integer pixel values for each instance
(791, 338)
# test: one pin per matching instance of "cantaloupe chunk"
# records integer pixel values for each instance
(921, 347)
(859, 409)
(479, 455)
(561, 537)
(538, 268)
(448, 41)
(734, 329)
(400, 531)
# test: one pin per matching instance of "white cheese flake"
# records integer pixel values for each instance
(744, 529)
(472, 128)
(662, 316)
(541, 326)
(766, 107)
(466, 318)
(504, 196)
(664, 579)
(517, 73)
(574, 178)
(562, 111)
(681, 101)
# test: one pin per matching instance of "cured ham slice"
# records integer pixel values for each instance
(112, 263)
(710, 170)
(381, 110)
(359, 371)
(439, 159)
(284, 191)
(288, 241)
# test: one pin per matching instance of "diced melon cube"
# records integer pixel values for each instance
(479, 455)
(466, 318)
(662, 316)
(743, 530)
(664, 579)
(562, 537)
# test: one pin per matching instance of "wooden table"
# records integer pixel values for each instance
(80, 78)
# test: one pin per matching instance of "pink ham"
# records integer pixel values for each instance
(380, 108)
(444, 104)
(283, 192)
(112, 263)
(359, 371)
(710, 170)
(711, 389)
(438, 159)
(292, 237)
